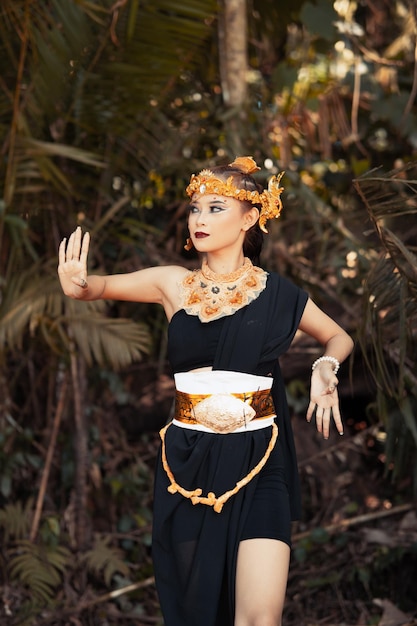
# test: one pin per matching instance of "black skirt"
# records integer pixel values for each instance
(195, 548)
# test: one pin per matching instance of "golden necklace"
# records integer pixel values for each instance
(211, 296)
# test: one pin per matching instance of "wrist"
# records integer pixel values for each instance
(95, 287)
(329, 361)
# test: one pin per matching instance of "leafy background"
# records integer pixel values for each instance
(106, 108)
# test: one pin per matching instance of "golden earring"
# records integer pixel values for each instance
(188, 244)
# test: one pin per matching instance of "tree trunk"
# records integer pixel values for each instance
(233, 52)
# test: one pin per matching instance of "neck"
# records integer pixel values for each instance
(225, 264)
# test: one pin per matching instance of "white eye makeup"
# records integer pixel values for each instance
(215, 206)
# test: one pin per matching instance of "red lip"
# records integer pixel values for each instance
(200, 235)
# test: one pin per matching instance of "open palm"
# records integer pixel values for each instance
(72, 268)
(324, 401)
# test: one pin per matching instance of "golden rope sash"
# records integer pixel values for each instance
(195, 495)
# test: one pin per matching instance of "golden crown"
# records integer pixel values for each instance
(206, 182)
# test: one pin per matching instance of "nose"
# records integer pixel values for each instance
(200, 218)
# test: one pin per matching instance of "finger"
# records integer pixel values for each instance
(326, 423)
(77, 243)
(310, 411)
(319, 419)
(331, 388)
(84, 249)
(333, 385)
(81, 282)
(338, 419)
(61, 251)
(328, 391)
(70, 247)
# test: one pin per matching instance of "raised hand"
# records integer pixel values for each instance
(72, 268)
(324, 400)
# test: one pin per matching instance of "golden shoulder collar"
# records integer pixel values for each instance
(211, 296)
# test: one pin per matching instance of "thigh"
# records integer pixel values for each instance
(261, 581)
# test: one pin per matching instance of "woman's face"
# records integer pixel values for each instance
(218, 222)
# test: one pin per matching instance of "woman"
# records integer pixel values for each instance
(226, 483)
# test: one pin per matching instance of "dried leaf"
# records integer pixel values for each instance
(391, 615)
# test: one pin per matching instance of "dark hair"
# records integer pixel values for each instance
(252, 246)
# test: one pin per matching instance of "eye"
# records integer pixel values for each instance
(216, 209)
(192, 209)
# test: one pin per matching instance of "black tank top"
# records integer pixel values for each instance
(192, 343)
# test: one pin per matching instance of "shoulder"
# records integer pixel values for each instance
(284, 292)
(164, 281)
(163, 275)
(278, 280)
(174, 271)
(169, 277)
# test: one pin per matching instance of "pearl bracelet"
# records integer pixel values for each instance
(332, 359)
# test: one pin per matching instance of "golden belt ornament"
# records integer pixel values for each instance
(223, 412)
(213, 411)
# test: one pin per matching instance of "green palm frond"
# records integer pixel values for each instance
(15, 520)
(92, 74)
(391, 288)
(160, 39)
(35, 148)
(72, 47)
(388, 321)
(37, 168)
(53, 37)
(34, 303)
(401, 439)
(108, 340)
(388, 334)
(104, 560)
(39, 568)
(23, 302)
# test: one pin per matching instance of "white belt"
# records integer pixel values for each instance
(252, 425)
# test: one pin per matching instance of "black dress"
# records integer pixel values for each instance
(194, 548)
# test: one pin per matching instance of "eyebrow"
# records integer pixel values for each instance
(211, 202)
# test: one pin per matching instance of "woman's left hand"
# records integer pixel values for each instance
(324, 399)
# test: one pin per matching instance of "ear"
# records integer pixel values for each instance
(250, 218)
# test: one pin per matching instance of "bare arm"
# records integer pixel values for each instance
(324, 399)
(154, 284)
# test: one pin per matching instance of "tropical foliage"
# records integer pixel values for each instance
(105, 110)
(390, 312)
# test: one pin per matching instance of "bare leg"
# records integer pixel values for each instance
(261, 582)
